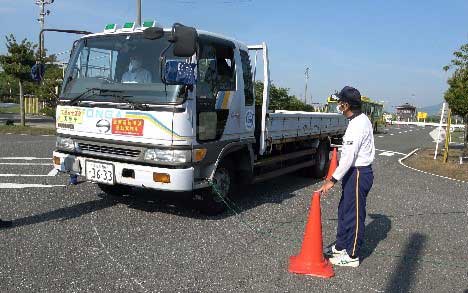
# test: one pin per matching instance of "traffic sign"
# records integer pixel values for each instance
(435, 134)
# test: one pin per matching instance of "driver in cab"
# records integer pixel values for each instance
(136, 73)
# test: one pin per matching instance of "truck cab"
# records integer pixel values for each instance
(168, 109)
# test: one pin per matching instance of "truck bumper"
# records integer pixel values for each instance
(180, 179)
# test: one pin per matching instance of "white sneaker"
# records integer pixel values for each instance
(344, 260)
(331, 251)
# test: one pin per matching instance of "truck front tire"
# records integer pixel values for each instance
(214, 198)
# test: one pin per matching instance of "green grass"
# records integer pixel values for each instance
(10, 110)
(26, 130)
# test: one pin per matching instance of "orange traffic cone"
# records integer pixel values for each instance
(310, 260)
(333, 164)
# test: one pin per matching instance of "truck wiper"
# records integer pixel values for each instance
(133, 104)
(83, 95)
(117, 94)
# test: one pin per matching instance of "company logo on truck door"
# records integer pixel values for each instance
(249, 119)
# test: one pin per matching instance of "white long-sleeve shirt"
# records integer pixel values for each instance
(139, 75)
(358, 146)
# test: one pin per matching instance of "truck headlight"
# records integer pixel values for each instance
(168, 156)
(175, 156)
(65, 143)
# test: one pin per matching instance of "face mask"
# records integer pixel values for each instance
(338, 109)
(134, 65)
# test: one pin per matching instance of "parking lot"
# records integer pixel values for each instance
(77, 239)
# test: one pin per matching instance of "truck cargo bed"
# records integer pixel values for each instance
(290, 125)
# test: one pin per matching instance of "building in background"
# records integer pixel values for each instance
(406, 112)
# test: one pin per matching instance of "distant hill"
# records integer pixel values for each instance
(431, 110)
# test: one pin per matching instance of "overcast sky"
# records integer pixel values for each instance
(392, 51)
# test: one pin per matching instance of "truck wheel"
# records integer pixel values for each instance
(213, 198)
(115, 190)
(319, 170)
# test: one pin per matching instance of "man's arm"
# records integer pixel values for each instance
(349, 151)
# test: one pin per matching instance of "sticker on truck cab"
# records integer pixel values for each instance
(128, 126)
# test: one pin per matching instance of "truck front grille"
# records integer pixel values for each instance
(104, 149)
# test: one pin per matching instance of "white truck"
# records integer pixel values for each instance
(174, 110)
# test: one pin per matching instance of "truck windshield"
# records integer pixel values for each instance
(127, 63)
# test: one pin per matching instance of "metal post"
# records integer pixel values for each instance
(440, 126)
(41, 19)
(306, 80)
(138, 19)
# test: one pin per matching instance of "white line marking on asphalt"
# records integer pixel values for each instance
(414, 169)
(24, 175)
(392, 134)
(380, 136)
(52, 172)
(46, 135)
(390, 152)
(387, 154)
(27, 164)
(24, 158)
(23, 134)
(399, 132)
(18, 185)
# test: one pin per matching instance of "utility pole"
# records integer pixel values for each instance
(41, 19)
(306, 80)
(138, 9)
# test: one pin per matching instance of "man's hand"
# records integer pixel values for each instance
(326, 186)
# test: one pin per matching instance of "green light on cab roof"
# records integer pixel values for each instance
(149, 23)
(128, 25)
(110, 26)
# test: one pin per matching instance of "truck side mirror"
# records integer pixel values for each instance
(185, 40)
(179, 73)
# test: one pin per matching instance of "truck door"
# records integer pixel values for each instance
(248, 108)
(218, 103)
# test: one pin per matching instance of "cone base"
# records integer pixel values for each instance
(322, 269)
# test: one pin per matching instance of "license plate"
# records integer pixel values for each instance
(100, 172)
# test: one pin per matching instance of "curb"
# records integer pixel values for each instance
(424, 172)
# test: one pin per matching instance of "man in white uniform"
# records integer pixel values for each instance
(355, 171)
(136, 73)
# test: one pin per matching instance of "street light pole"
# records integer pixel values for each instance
(41, 19)
(138, 9)
(306, 80)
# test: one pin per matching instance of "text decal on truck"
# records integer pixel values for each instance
(128, 126)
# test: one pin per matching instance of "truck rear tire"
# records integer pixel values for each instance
(322, 158)
(213, 198)
(115, 190)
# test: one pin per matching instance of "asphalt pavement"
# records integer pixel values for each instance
(76, 239)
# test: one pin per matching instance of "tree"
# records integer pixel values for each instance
(17, 64)
(47, 90)
(8, 88)
(280, 99)
(457, 93)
